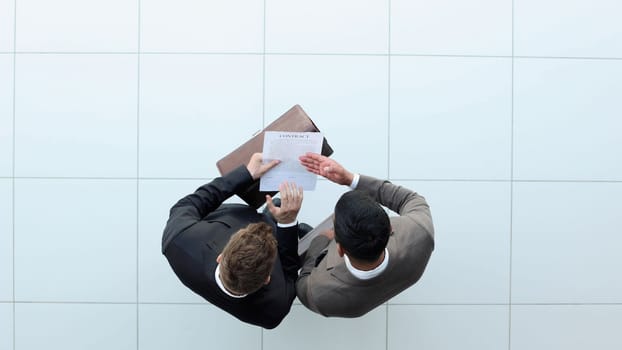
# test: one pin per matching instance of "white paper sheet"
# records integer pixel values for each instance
(288, 147)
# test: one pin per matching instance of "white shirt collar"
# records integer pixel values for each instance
(366, 275)
(222, 286)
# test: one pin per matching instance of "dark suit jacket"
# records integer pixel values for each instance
(329, 288)
(199, 227)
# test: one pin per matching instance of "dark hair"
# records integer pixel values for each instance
(248, 258)
(362, 227)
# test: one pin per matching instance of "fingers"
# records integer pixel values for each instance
(257, 156)
(299, 194)
(270, 204)
(311, 158)
(256, 167)
(290, 192)
(313, 169)
(270, 165)
(313, 162)
(291, 199)
(314, 156)
(309, 164)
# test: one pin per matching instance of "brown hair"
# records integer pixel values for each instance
(248, 258)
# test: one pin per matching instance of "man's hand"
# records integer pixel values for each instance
(256, 168)
(291, 201)
(324, 166)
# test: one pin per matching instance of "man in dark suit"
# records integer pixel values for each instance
(238, 259)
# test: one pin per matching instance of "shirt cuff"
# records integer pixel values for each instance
(355, 181)
(287, 225)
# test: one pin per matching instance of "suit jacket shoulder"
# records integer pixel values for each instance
(330, 289)
(205, 200)
(197, 230)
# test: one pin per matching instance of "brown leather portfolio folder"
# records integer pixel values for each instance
(295, 119)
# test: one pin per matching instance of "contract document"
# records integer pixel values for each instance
(287, 147)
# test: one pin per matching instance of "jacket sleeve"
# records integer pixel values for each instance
(287, 239)
(207, 198)
(407, 203)
(303, 288)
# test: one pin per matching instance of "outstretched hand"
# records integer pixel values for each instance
(324, 166)
(256, 167)
(291, 201)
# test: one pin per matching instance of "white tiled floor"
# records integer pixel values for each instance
(437, 327)
(567, 123)
(6, 326)
(6, 240)
(84, 120)
(365, 333)
(504, 115)
(558, 28)
(481, 27)
(183, 101)
(75, 326)
(201, 26)
(327, 26)
(193, 326)
(7, 25)
(77, 26)
(451, 118)
(565, 243)
(542, 327)
(75, 240)
(471, 261)
(353, 102)
(6, 115)
(156, 282)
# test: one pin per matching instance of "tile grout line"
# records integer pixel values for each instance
(386, 335)
(13, 160)
(263, 62)
(138, 174)
(263, 110)
(310, 54)
(147, 178)
(300, 305)
(511, 187)
(389, 94)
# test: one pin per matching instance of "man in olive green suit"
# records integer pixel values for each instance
(368, 257)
